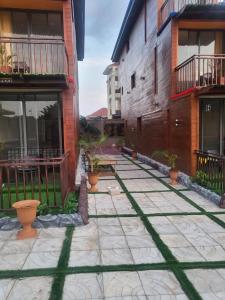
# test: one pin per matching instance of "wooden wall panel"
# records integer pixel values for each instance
(32, 4)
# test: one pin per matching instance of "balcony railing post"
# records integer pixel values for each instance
(222, 200)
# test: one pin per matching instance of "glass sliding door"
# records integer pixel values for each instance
(29, 125)
(212, 126)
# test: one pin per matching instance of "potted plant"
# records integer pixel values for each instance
(5, 60)
(26, 214)
(93, 174)
(90, 145)
(171, 160)
(120, 143)
(133, 152)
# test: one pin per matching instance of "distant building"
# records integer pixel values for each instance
(97, 119)
(113, 92)
(112, 127)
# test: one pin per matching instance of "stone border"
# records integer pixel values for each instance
(182, 178)
(83, 201)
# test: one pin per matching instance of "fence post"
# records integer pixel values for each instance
(222, 200)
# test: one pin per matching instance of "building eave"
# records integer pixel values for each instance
(132, 13)
(79, 19)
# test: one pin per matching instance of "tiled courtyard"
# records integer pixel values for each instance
(153, 241)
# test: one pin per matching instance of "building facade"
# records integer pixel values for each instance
(171, 57)
(113, 91)
(40, 44)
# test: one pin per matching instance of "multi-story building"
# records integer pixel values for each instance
(40, 44)
(113, 91)
(171, 56)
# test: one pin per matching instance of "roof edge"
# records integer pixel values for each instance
(133, 11)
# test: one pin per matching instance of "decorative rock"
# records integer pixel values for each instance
(11, 224)
(60, 220)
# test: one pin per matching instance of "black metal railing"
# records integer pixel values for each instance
(200, 71)
(211, 171)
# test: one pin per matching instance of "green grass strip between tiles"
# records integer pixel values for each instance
(186, 285)
(208, 214)
(59, 279)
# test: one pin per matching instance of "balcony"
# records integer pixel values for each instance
(191, 9)
(32, 59)
(201, 71)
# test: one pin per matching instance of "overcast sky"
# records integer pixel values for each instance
(103, 22)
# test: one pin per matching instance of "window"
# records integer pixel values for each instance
(156, 70)
(133, 81)
(193, 42)
(122, 90)
(116, 78)
(110, 90)
(139, 125)
(29, 121)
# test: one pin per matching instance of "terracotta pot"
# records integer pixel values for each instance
(173, 176)
(93, 180)
(26, 214)
(134, 155)
(5, 69)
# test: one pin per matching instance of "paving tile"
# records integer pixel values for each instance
(41, 260)
(49, 233)
(108, 221)
(207, 281)
(37, 288)
(12, 261)
(143, 241)
(200, 240)
(112, 242)
(144, 185)
(146, 255)
(84, 258)
(145, 166)
(175, 240)
(159, 283)
(120, 284)
(85, 243)
(187, 254)
(212, 253)
(133, 174)
(18, 246)
(110, 230)
(83, 286)
(177, 186)
(5, 287)
(45, 245)
(201, 201)
(7, 235)
(116, 257)
(103, 185)
(158, 174)
(127, 167)
(89, 230)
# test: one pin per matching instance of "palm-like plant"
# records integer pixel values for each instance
(5, 60)
(171, 158)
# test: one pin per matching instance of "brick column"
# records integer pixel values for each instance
(69, 96)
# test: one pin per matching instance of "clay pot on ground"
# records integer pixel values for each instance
(134, 155)
(93, 180)
(5, 69)
(173, 176)
(26, 214)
